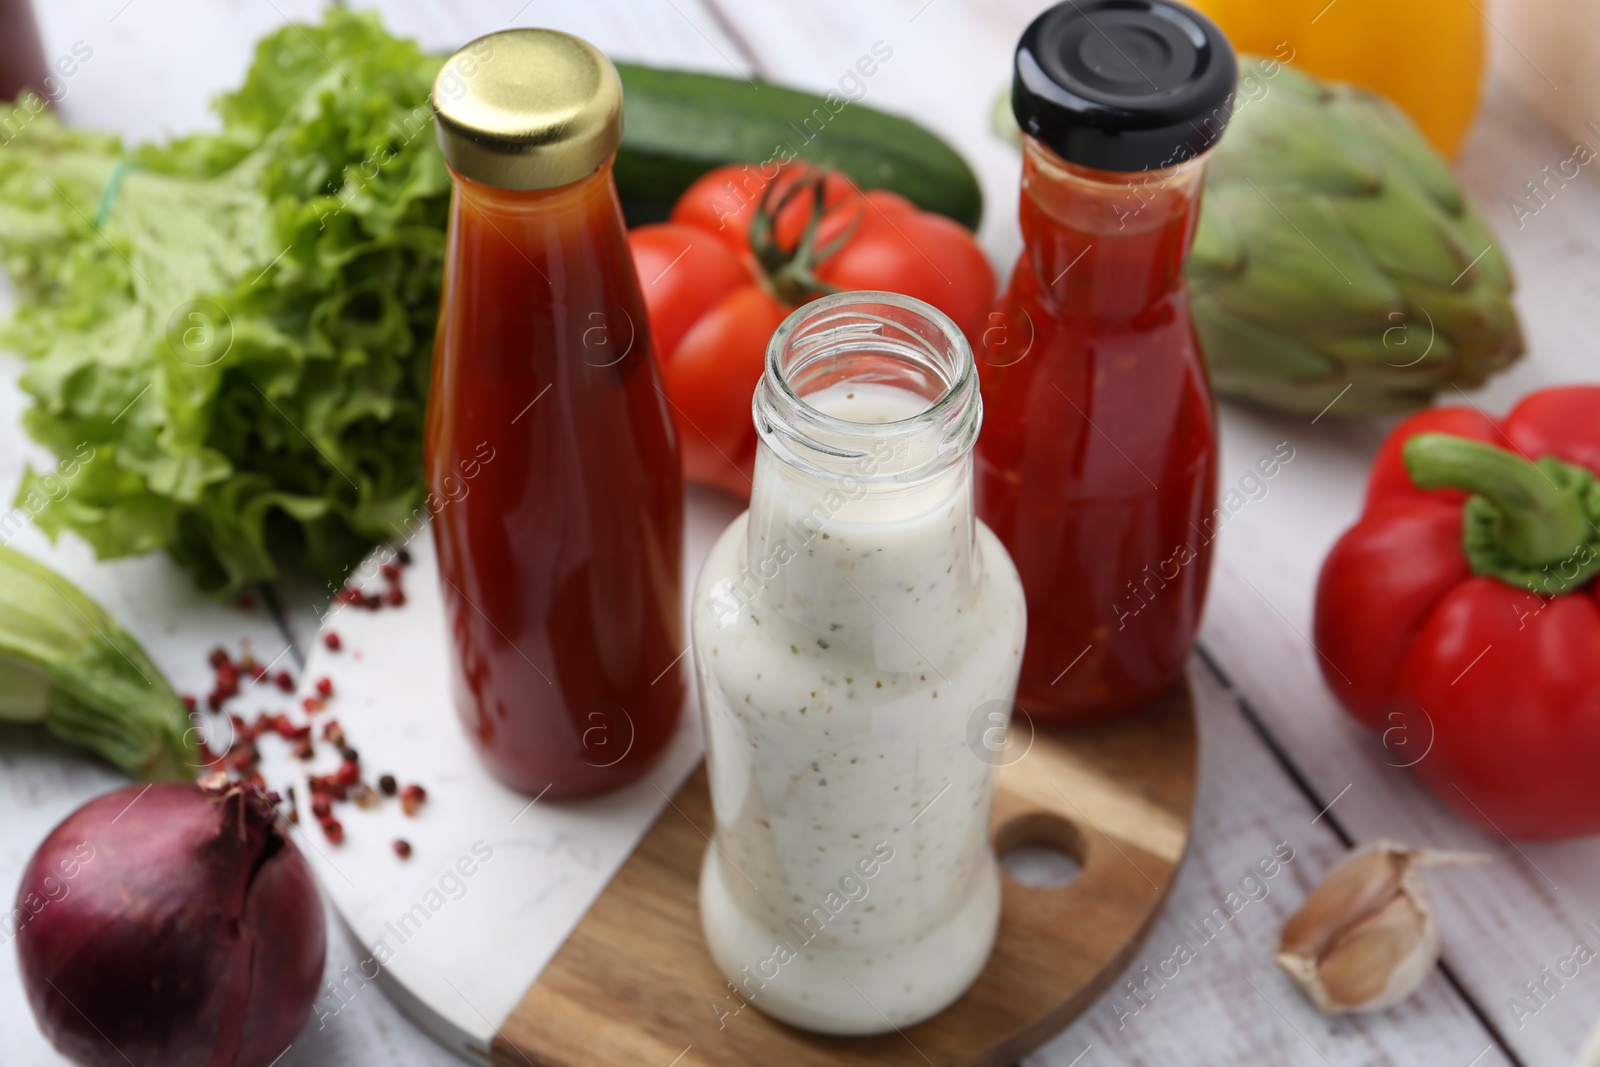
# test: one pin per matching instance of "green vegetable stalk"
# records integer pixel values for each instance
(65, 663)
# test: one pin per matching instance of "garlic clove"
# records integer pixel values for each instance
(1367, 936)
(1359, 886)
(1380, 960)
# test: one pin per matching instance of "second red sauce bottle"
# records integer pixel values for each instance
(1097, 463)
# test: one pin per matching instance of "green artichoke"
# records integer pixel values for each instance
(1335, 251)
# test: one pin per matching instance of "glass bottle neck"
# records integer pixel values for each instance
(867, 412)
(528, 219)
(1106, 244)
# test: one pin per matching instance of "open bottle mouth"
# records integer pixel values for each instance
(894, 345)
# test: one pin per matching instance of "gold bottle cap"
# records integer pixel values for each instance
(528, 109)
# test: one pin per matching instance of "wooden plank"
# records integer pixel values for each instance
(1226, 1001)
(683, 33)
(1548, 52)
(155, 64)
(1504, 921)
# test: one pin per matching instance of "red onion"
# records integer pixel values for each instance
(173, 927)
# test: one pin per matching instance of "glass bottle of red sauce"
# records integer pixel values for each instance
(549, 450)
(1097, 462)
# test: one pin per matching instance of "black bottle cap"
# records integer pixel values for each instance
(1124, 85)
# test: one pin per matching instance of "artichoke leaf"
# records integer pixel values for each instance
(1457, 310)
(1217, 249)
(1490, 268)
(1236, 346)
(1409, 151)
(1284, 139)
(1305, 273)
(1404, 230)
(1335, 249)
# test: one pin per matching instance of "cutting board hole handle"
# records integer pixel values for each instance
(1041, 850)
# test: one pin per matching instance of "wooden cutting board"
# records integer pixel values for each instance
(635, 984)
(568, 934)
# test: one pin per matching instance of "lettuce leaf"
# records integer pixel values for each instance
(238, 324)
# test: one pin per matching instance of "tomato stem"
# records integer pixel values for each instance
(790, 273)
(1530, 524)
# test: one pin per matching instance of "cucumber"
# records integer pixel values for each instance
(676, 125)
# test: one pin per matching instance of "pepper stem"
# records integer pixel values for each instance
(1530, 524)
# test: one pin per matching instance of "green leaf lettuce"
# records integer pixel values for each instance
(239, 323)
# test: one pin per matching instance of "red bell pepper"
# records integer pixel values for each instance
(1459, 615)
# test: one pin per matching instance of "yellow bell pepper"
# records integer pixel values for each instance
(1425, 55)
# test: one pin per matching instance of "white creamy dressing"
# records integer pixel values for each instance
(844, 642)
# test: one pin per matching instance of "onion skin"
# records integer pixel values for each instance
(193, 936)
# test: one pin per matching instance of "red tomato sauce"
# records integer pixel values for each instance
(1097, 461)
(555, 471)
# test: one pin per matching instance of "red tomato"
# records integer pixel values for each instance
(683, 275)
(714, 297)
(710, 380)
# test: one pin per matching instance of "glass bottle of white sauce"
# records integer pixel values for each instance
(850, 630)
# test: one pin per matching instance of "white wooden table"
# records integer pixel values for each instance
(1280, 762)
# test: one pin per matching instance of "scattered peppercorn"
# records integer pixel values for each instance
(331, 639)
(387, 785)
(325, 686)
(334, 829)
(312, 705)
(285, 681)
(402, 848)
(391, 571)
(411, 798)
(396, 597)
